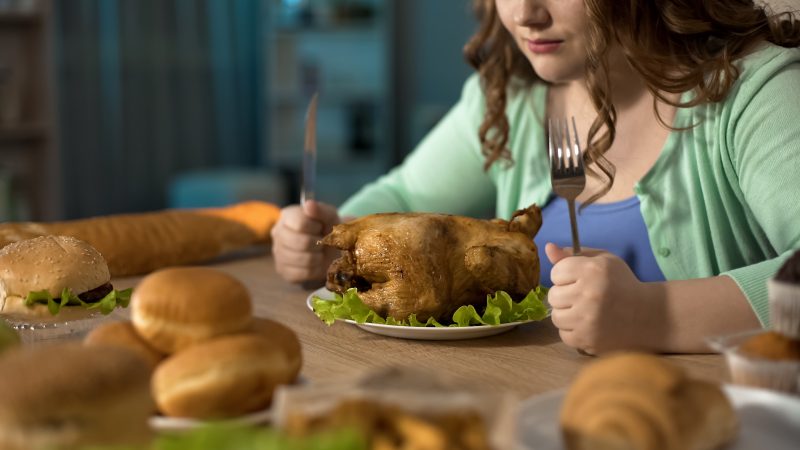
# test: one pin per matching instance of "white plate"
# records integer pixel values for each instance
(51, 329)
(768, 420)
(423, 333)
(164, 423)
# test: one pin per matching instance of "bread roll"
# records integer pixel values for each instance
(285, 339)
(177, 307)
(71, 396)
(122, 334)
(641, 402)
(224, 377)
(140, 243)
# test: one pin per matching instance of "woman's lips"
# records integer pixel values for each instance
(541, 46)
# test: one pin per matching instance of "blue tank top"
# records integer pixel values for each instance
(616, 227)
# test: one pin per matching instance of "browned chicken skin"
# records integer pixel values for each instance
(431, 264)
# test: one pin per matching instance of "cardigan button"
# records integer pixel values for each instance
(664, 251)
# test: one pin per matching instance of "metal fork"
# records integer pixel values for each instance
(566, 168)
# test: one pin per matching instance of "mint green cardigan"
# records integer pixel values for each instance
(722, 198)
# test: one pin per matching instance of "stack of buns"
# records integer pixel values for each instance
(211, 358)
(122, 334)
(66, 395)
(636, 401)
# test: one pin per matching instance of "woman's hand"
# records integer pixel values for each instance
(298, 257)
(598, 303)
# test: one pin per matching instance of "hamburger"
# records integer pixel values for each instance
(59, 276)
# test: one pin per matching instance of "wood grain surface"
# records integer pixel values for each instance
(528, 360)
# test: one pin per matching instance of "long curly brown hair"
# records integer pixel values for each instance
(698, 39)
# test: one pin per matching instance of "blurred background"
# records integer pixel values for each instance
(112, 106)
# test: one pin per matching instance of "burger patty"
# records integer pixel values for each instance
(96, 294)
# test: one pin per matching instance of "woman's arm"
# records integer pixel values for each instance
(600, 306)
(696, 309)
(763, 142)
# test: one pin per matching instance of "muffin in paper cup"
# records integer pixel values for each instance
(761, 358)
(399, 407)
(784, 298)
(784, 307)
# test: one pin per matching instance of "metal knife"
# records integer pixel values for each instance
(307, 189)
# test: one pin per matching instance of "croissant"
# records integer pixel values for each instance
(134, 244)
(637, 401)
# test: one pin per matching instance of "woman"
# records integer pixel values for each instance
(690, 110)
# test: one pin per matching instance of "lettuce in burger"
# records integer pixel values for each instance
(55, 276)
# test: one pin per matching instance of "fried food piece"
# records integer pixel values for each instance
(389, 427)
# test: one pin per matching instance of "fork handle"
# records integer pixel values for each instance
(573, 221)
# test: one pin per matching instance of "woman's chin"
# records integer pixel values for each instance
(557, 73)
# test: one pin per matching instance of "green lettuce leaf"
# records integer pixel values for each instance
(112, 300)
(214, 437)
(500, 308)
(105, 305)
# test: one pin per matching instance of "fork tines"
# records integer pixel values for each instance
(566, 169)
(564, 147)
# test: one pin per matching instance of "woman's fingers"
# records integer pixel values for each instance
(568, 270)
(564, 319)
(563, 297)
(555, 253)
(322, 213)
(296, 241)
(574, 340)
(294, 218)
(298, 256)
(299, 266)
(294, 274)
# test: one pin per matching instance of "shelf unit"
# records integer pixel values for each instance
(28, 166)
(341, 49)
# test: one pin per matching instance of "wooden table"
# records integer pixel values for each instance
(527, 360)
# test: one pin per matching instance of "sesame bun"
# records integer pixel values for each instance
(122, 334)
(175, 308)
(48, 263)
(283, 337)
(71, 396)
(223, 377)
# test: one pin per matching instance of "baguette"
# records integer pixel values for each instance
(135, 244)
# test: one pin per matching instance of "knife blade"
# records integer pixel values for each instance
(308, 188)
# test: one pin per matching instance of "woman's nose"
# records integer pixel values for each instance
(531, 13)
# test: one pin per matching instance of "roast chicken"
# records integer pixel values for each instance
(431, 264)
